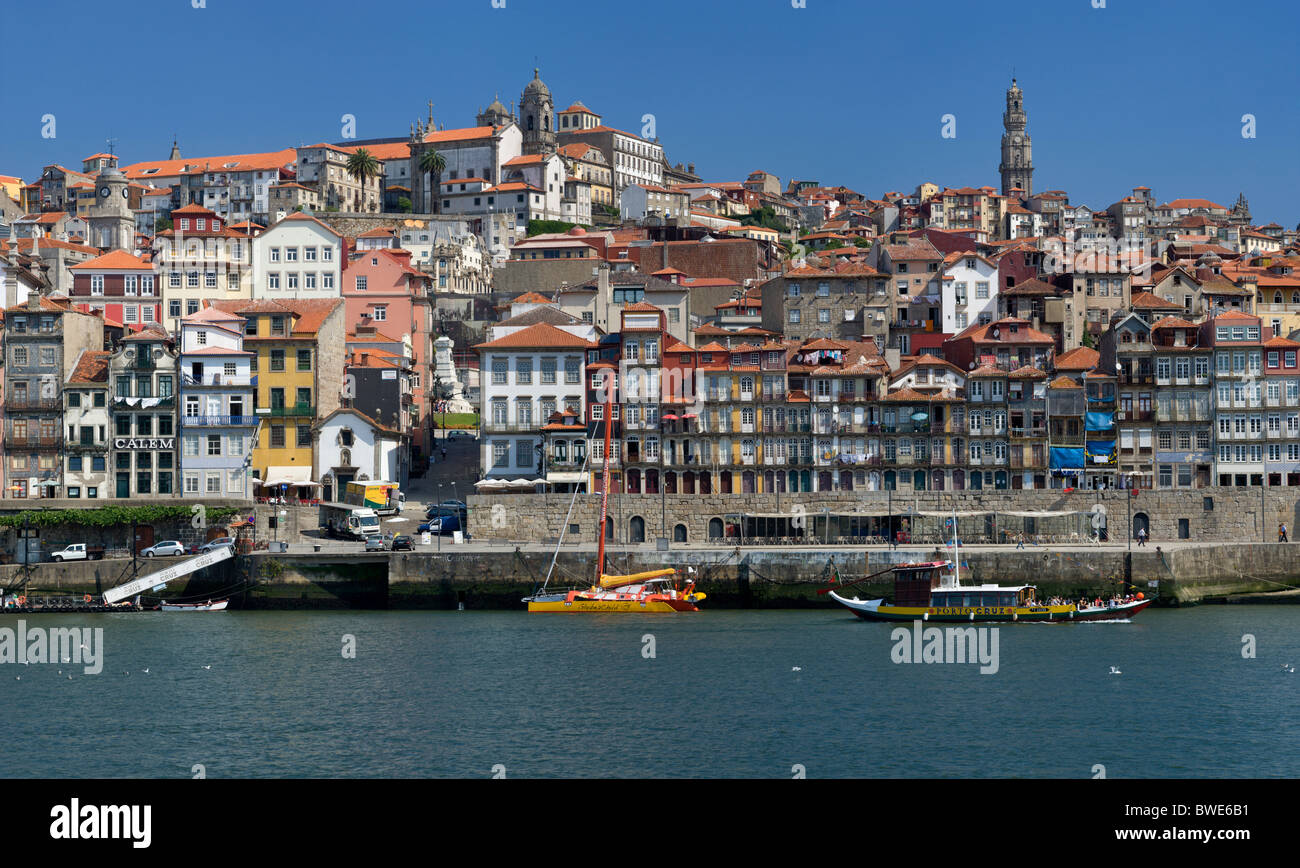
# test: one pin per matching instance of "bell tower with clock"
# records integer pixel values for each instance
(1017, 168)
(110, 221)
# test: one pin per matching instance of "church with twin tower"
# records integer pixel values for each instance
(1017, 168)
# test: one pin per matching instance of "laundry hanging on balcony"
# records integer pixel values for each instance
(1066, 459)
(1101, 452)
(1099, 421)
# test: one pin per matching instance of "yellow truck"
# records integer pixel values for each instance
(385, 498)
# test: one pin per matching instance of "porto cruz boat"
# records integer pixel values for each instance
(651, 591)
(933, 591)
(921, 594)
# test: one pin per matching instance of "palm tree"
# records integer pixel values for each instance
(363, 166)
(432, 164)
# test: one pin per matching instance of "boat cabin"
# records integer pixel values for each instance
(982, 595)
(914, 582)
(923, 585)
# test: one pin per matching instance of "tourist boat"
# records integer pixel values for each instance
(651, 591)
(921, 594)
(933, 591)
(210, 606)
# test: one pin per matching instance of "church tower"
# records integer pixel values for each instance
(537, 118)
(110, 221)
(1017, 167)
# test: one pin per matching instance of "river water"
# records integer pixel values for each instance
(459, 694)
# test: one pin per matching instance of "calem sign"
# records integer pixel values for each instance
(144, 443)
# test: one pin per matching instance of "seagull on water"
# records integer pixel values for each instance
(796, 668)
(209, 666)
(1114, 671)
(146, 672)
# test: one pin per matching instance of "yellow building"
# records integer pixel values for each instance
(12, 186)
(297, 366)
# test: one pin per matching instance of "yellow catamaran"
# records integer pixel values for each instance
(651, 591)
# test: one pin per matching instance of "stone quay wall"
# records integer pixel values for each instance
(1209, 514)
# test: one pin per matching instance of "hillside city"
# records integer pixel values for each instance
(287, 322)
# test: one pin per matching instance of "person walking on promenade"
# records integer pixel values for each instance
(1020, 541)
(1281, 533)
(1142, 536)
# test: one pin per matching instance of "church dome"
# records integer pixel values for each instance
(577, 230)
(496, 108)
(536, 85)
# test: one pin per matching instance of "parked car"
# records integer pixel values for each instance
(443, 524)
(460, 432)
(456, 504)
(217, 543)
(403, 543)
(78, 552)
(163, 549)
(374, 543)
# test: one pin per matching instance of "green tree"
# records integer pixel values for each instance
(163, 224)
(363, 166)
(861, 242)
(1087, 338)
(432, 165)
(404, 205)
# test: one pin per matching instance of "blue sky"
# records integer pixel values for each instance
(1148, 92)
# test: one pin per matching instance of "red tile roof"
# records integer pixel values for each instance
(540, 335)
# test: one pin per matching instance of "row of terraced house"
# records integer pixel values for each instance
(1163, 402)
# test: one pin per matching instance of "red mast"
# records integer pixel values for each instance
(604, 482)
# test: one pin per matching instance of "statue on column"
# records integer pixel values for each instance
(447, 389)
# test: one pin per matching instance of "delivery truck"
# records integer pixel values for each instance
(385, 498)
(345, 521)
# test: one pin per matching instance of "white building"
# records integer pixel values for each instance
(352, 447)
(640, 201)
(527, 375)
(298, 257)
(218, 425)
(970, 291)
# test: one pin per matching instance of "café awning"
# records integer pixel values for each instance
(565, 477)
(277, 475)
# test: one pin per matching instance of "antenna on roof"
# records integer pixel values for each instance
(111, 142)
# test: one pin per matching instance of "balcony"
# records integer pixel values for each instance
(1034, 432)
(906, 428)
(310, 410)
(84, 446)
(18, 403)
(217, 421)
(123, 402)
(219, 380)
(1134, 415)
(38, 443)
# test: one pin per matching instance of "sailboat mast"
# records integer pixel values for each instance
(604, 482)
(956, 550)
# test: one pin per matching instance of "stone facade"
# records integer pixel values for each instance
(1210, 514)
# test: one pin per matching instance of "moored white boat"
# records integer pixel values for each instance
(209, 606)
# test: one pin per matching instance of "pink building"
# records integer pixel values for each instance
(382, 289)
